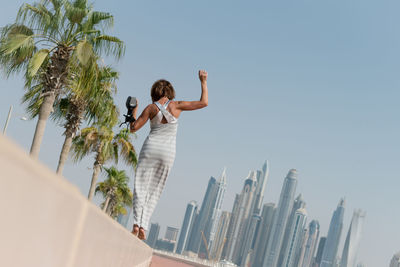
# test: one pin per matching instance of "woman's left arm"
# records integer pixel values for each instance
(137, 124)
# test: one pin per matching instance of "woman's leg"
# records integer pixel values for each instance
(155, 189)
(140, 192)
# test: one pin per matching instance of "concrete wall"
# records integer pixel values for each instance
(45, 221)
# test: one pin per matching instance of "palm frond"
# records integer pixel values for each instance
(84, 52)
(109, 45)
(75, 13)
(36, 61)
(95, 17)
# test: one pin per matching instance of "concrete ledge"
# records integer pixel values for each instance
(45, 221)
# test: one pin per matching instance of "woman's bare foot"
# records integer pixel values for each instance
(142, 234)
(135, 229)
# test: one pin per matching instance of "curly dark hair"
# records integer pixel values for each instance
(162, 88)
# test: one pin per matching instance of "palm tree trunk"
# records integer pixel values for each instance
(96, 172)
(54, 80)
(106, 203)
(64, 152)
(44, 113)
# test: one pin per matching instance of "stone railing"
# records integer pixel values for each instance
(45, 221)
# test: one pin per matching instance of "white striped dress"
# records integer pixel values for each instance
(155, 161)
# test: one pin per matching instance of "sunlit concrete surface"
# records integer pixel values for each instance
(45, 221)
(166, 259)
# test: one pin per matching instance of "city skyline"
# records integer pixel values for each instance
(259, 231)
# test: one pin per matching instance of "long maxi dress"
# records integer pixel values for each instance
(155, 161)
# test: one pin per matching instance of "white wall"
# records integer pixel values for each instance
(45, 221)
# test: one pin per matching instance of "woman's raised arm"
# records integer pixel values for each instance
(203, 102)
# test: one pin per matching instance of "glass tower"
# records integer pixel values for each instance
(281, 216)
(333, 238)
(188, 220)
(349, 256)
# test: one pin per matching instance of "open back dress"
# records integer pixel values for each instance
(155, 161)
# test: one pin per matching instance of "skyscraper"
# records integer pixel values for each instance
(247, 246)
(207, 206)
(332, 241)
(298, 204)
(320, 250)
(395, 262)
(220, 235)
(292, 254)
(309, 244)
(267, 218)
(240, 219)
(262, 179)
(281, 216)
(153, 235)
(349, 256)
(171, 234)
(187, 224)
(252, 225)
(234, 214)
(210, 208)
(216, 214)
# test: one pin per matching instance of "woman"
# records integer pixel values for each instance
(158, 152)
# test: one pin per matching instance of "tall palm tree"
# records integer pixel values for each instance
(115, 191)
(86, 101)
(43, 41)
(101, 140)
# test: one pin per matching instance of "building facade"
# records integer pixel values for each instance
(329, 256)
(281, 216)
(241, 218)
(309, 245)
(171, 234)
(297, 204)
(220, 236)
(291, 255)
(153, 235)
(187, 224)
(349, 255)
(267, 218)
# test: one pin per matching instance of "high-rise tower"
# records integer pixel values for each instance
(309, 244)
(207, 218)
(187, 224)
(296, 233)
(216, 214)
(262, 179)
(298, 204)
(220, 235)
(204, 217)
(333, 238)
(242, 216)
(252, 226)
(281, 216)
(320, 250)
(153, 235)
(267, 218)
(349, 256)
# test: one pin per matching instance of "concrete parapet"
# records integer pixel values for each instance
(45, 221)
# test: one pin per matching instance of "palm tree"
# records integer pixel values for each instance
(85, 101)
(116, 192)
(45, 38)
(101, 140)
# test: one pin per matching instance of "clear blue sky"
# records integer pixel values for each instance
(311, 85)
